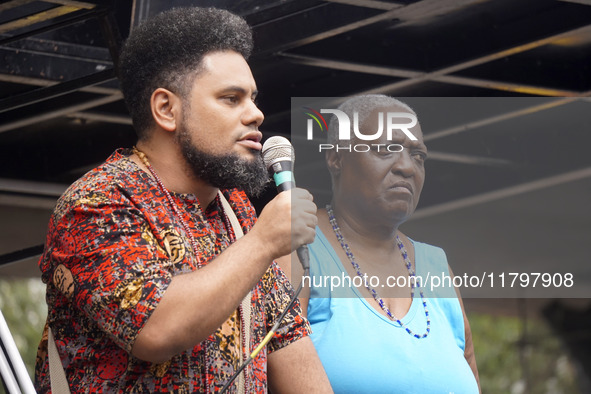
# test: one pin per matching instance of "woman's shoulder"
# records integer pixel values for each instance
(428, 249)
(433, 269)
(425, 253)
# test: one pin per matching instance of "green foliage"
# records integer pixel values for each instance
(22, 302)
(513, 358)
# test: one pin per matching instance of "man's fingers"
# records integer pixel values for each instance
(301, 194)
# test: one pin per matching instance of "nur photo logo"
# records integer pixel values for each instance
(348, 129)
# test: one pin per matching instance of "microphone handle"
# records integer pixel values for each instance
(304, 256)
(283, 175)
(284, 180)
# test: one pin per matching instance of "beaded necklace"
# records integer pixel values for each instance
(193, 242)
(380, 301)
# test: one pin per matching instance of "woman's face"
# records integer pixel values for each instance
(379, 182)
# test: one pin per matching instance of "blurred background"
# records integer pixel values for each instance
(502, 91)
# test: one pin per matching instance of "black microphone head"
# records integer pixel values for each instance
(277, 149)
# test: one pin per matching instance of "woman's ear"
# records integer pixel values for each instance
(333, 162)
(166, 107)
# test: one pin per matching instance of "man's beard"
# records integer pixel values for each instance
(225, 171)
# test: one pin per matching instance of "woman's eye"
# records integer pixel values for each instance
(420, 156)
(381, 151)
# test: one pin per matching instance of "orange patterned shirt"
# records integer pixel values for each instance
(113, 245)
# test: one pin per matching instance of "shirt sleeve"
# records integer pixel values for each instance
(294, 326)
(103, 257)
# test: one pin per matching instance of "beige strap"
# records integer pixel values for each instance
(231, 216)
(246, 301)
(57, 375)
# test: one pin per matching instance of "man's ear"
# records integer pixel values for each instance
(166, 109)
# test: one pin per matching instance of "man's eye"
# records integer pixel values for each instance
(231, 99)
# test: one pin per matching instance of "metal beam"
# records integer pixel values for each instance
(586, 2)
(101, 117)
(59, 49)
(72, 3)
(32, 188)
(378, 5)
(497, 118)
(403, 73)
(13, 4)
(17, 3)
(63, 88)
(30, 194)
(424, 10)
(350, 66)
(111, 35)
(46, 82)
(62, 112)
(317, 19)
(54, 26)
(506, 86)
(419, 10)
(409, 12)
(37, 18)
(24, 201)
(477, 61)
(511, 191)
(468, 159)
(339, 30)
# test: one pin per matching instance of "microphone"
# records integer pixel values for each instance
(279, 158)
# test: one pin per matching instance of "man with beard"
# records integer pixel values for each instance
(149, 286)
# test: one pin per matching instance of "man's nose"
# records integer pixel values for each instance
(253, 115)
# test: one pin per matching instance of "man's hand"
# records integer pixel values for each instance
(288, 221)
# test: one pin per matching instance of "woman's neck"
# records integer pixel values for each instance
(360, 225)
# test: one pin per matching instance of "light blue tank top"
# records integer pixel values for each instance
(364, 352)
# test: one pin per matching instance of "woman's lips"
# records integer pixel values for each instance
(402, 187)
